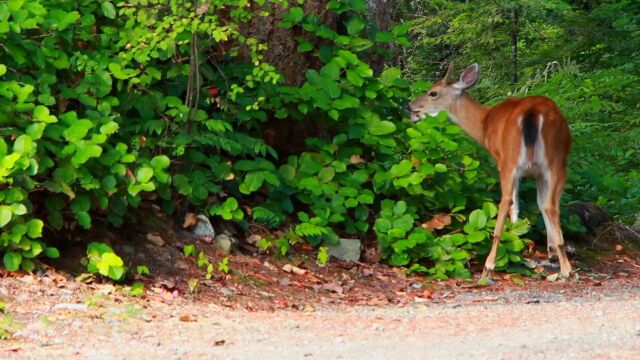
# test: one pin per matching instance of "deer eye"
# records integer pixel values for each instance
(433, 94)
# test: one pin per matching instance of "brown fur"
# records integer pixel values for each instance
(498, 129)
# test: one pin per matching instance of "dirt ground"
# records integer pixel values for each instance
(566, 321)
(271, 307)
(336, 312)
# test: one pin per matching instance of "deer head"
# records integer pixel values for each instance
(444, 94)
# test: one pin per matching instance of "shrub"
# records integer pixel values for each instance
(97, 123)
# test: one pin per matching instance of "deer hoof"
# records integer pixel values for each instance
(486, 278)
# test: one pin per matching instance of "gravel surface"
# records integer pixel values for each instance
(600, 323)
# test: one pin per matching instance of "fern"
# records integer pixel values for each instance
(266, 217)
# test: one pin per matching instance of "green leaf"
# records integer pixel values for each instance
(15, 5)
(399, 208)
(382, 128)
(401, 169)
(109, 128)
(108, 9)
(144, 174)
(326, 174)
(34, 228)
(5, 215)
(476, 237)
(305, 46)
(78, 130)
(52, 252)
(160, 162)
(389, 75)
(12, 260)
(490, 210)
(294, 15)
(355, 25)
(252, 182)
(478, 219)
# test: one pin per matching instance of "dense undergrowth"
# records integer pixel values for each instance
(106, 104)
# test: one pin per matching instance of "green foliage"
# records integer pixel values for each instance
(447, 255)
(142, 270)
(203, 261)
(102, 260)
(137, 289)
(8, 326)
(583, 55)
(108, 104)
(323, 255)
(223, 265)
(189, 250)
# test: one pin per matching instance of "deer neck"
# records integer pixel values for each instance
(470, 115)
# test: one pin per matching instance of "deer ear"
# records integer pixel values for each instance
(448, 77)
(468, 77)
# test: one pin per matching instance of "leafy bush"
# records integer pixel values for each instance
(97, 123)
(102, 260)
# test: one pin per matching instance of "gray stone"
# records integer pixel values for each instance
(346, 249)
(592, 216)
(223, 242)
(128, 249)
(636, 225)
(203, 227)
(620, 233)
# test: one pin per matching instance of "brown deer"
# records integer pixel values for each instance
(526, 136)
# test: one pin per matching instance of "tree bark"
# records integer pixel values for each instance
(281, 42)
(514, 43)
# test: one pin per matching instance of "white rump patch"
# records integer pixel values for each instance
(538, 166)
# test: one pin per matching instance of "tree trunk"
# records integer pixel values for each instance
(514, 43)
(281, 42)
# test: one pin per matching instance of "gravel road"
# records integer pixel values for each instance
(602, 323)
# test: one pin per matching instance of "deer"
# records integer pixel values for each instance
(527, 137)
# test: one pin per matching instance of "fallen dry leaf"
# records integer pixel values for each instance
(437, 222)
(331, 287)
(189, 220)
(356, 159)
(269, 266)
(156, 239)
(253, 238)
(187, 318)
(294, 269)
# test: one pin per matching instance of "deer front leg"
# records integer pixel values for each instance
(507, 185)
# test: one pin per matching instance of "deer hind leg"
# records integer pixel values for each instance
(514, 210)
(507, 182)
(551, 215)
(543, 189)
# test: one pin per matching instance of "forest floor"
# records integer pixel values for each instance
(334, 312)
(272, 307)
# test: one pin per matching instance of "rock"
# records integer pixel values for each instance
(592, 216)
(156, 239)
(182, 265)
(128, 249)
(621, 233)
(636, 225)
(346, 249)
(203, 228)
(223, 242)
